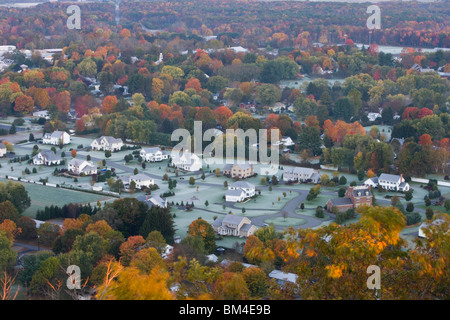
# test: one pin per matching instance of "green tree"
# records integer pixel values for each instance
(156, 240)
(158, 219)
(268, 94)
(7, 255)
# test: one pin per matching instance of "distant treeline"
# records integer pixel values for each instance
(71, 210)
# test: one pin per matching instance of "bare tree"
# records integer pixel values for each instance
(284, 214)
(111, 274)
(6, 283)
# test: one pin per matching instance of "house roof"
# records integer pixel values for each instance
(151, 150)
(373, 180)
(140, 176)
(389, 177)
(246, 227)
(280, 275)
(300, 170)
(186, 158)
(436, 222)
(217, 222)
(49, 155)
(243, 166)
(243, 184)
(109, 139)
(157, 200)
(341, 201)
(235, 192)
(362, 192)
(232, 219)
(54, 134)
(315, 175)
(82, 163)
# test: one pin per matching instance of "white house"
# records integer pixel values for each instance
(47, 157)
(239, 191)
(154, 154)
(167, 251)
(233, 225)
(389, 182)
(285, 141)
(141, 180)
(187, 161)
(301, 174)
(283, 277)
(56, 137)
(158, 201)
(236, 195)
(153, 201)
(107, 143)
(277, 107)
(425, 225)
(41, 114)
(82, 167)
(3, 150)
(372, 116)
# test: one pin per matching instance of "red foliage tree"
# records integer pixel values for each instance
(410, 113)
(425, 112)
(425, 140)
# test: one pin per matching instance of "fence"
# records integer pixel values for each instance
(440, 183)
(52, 185)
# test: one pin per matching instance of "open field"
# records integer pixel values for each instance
(42, 196)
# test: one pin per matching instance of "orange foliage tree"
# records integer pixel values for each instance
(24, 104)
(108, 104)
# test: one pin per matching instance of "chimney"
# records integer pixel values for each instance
(146, 197)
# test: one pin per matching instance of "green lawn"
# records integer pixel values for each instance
(42, 196)
(280, 221)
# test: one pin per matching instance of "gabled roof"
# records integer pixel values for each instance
(49, 155)
(280, 275)
(217, 222)
(362, 191)
(246, 227)
(235, 192)
(300, 170)
(140, 176)
(232, 219)
(157, 200)
(109, 139)
(54, 134)
(243, 166)
(341, 201)
(242, 184)
(151, 150)
(389, 177)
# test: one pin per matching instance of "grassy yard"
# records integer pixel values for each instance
(285, 222)
(42, 196)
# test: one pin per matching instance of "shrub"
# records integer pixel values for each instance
(413, 218)
(319, 212)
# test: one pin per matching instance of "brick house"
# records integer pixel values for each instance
(354, 197)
